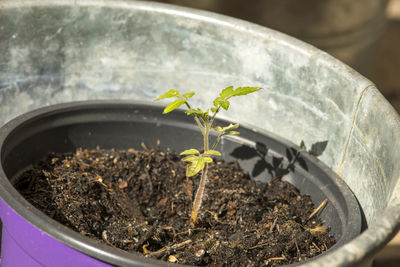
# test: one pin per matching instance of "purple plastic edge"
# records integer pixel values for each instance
(22, 243)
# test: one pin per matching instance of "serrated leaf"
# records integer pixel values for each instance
(232, 133)
(169, 94)
(217, 102)
(190, 152)
(220, 102)
(218, 128)
(195, 167)
(190, 111)
(207, 159)
(190, 158)
(174, 105)
(318, 148)
(194, 111)
(244, 90)
(204, 116)
(212, 152)
(231, 127)
(188, 95)
(225, 93)
(225, 104)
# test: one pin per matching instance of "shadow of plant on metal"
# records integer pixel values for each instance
(279, 166)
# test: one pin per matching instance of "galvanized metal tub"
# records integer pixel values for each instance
(347, 29)
(65, 50)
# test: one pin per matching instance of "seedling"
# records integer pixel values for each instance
(198, 161)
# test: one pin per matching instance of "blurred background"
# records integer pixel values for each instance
(365, 34)
(385, 68)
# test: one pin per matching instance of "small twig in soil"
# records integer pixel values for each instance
(214, 215)
(150, 183)
(104, 237)
(323, 203)
(147, 235)
(144, 146)
(318, 229)
(276, 259)
(315, 245)
(166, 249)
(273, 225)
(158, 144)
(259, 245)
(297, 250)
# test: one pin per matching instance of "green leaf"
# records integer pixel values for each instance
(217, 102)
(190, 152)
(188, 95)
(244, 90)
(207, 159)
(227, 92)
(191, 158)
(204, 116)
(169, 94)
(225, 104)
(194, 111)
(218, 128)
(220, 102)
(212, 152)
(231, 127)
(195, 167)
(232, 133)
(174, 105)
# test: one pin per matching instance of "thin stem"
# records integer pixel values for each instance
(199, 195)
(210, 124)
(196, 118)
(200, 191)
(217, 141)
(207, 132)
(213, 116)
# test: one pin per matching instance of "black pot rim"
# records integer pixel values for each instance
(101, 251)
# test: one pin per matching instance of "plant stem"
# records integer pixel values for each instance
(217, 141)
(199, 196)
(196, 118)
(200, 191)
(213, 116)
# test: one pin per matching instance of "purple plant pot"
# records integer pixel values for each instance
(25, 245)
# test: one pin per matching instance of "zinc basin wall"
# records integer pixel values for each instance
(61, 51)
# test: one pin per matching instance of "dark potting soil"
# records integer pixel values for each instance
(140, 201)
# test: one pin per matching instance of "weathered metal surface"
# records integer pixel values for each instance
(65, 50)
(347, 29)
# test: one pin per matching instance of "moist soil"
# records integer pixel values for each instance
(140, 201)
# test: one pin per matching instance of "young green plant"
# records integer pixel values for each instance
(198, 161)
